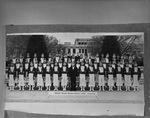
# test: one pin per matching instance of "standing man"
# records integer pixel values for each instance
(21, 77)
(101, 76)
(110, 74)
(40, 82)
(136, 74)
(91, 77)
(11, 75)
(64, 80)
(55, 76)
(82, 76)
(127, 76)
(73, 74)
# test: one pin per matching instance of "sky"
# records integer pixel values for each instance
(70, 37)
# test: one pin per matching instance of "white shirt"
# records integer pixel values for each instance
(91, 68)
(69, 65)
(82, 68)
(60, 65)
(78, 65)
(97, 59)
(101, 69)
(56, 68)
(104, 65)
(44, 65)
(47, 68)
(110, 69)
(113, 65)
(40, 69)
(11, 68)
(127, 69)
(65, 59)
(31, 68)
(26, 65)
(57, 58)
(107, 60)
(35, 65)
(95, 66)
(14, 61)
(42, 60)
(64, 68)
(119, 69)
(135, 69)
(17, 65)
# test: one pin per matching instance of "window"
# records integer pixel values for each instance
(82, 50)
(82, 43)
(79, 50)
(74, 50)
(85, 51)
(79, 43)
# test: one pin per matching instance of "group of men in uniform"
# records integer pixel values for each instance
(69, 69)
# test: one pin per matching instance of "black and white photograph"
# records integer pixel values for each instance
(74, 58)
(101, 69)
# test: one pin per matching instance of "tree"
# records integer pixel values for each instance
(94, 46)
(51, 43)
(132, 45)
(16, 45)
(110, 46)
(60, 49)
(37, 44)
(127, 43)
(53, 46)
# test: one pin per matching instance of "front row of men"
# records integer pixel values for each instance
(36, 76)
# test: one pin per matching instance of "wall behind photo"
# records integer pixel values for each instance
(75, 11)
(36, 12)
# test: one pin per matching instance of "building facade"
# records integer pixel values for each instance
(79, 46)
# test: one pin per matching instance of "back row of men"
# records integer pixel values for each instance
(92, 69)
(73, 58)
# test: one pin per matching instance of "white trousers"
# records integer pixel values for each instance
(110, 80)
(47, 80)
(101, 80)
(119, 80)
(31, 82)
(55, 80)
(64, 80)
(135, 80)
(82, 80)
(21, 80)
(11, 80)
(40, 80)
(91, 80)
(127, 80)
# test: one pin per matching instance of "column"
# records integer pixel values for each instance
(77, 50)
